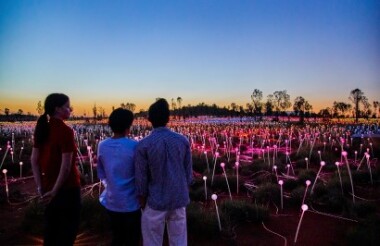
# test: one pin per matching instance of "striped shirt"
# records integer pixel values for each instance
(163, 169)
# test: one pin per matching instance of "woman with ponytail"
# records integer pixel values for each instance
(55, 171)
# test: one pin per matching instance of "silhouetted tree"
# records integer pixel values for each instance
(357, 97)
(376, 106)
(281, 101)
(256, 98)
(39, 108)
(341, 107)
(300, 106)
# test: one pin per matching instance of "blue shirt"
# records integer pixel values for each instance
(116, 168)
(163, 169)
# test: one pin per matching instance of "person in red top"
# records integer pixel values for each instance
(55, 171)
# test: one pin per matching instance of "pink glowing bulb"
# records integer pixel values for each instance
(367, 156)
(214, 197)
(308, 182)
(217, 154)
(323, 163)
(5, 171)
(275, 167)
(237, 163)
(337, 163)
(280, 182)
(344, 153)
(304, 207)
(222, 165)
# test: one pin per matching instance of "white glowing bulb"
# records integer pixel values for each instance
(204, 178)
(306, 158)
(21, 163)
(337, 163)
(5, 171)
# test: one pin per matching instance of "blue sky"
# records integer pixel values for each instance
(212, 51)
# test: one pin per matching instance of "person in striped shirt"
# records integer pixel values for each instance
(163, 174)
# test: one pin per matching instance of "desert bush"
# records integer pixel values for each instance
(200, 164)
(198, 194)
(239, 211)
(33, 221)
(220, 185)
(304, 175)
(202, 222)
(93, 215)
(267, 193)
(296, 195)
(290, 184)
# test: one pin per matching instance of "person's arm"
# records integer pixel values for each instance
(36, 169)
(188, 165)
(63, 174)
(100, 167)
(141, 176)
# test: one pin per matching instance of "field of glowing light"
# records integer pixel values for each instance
(254, 181)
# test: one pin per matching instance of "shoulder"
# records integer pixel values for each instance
(180, 137)
(130, 142)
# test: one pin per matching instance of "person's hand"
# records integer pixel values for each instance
(142, 202)
(48, 196)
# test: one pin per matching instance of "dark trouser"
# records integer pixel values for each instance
(126, 227)
(62, 217)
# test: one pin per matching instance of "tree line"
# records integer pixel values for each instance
(276, 104)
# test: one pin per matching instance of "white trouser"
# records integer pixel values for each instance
(153, 226)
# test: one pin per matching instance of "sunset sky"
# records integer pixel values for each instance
(212, 51)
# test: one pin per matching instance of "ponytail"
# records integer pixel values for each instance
(42, 129)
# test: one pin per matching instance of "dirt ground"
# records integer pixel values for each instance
(316, 229)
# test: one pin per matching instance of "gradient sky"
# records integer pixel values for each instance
(214, 51)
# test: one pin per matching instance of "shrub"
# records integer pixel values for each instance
(306, 175)
(33, 221)
(267, 192)
(202, 222)
(94, 215)
(239, 211)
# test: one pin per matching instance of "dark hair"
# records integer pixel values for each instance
(120, 120)
(52, 101)
(158, 113)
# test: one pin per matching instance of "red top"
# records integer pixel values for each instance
(60, 140)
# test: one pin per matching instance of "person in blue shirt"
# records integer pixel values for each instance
(163, 171)
(116, 170)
